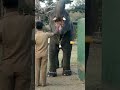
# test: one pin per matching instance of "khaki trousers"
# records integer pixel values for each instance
(40, 70)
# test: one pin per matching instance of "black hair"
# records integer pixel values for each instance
(39, 25)
(10, 3)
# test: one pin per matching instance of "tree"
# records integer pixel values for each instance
(78, 5)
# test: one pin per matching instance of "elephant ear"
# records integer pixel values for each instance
(72, 30)
(67, 22)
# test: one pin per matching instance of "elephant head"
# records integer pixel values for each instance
(59, 19)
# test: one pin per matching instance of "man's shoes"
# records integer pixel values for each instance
(37, 85)
(52, 74)
(67, 73)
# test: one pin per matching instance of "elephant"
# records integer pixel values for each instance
(59, 21)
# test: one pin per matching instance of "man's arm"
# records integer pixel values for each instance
(49, 34)
(32, 20)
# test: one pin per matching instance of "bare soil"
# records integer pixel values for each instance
(65, 82)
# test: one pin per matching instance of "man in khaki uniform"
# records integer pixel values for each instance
(41, 54)
(16, 32)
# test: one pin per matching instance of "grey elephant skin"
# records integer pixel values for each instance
(62, 38)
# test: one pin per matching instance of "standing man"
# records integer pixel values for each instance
(41, 54)
(16, 34)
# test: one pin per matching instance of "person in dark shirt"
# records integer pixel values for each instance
(15, 34)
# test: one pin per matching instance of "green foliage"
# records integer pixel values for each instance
(78, 7)
(76, 15)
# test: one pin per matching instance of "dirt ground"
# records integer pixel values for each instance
(65, 82)
(93, 75)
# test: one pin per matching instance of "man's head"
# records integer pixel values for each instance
(39, 25)
(10, 4)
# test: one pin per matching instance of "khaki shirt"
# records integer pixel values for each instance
(41, 47)
(16, 34)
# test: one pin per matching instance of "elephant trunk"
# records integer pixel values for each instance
(60, 9)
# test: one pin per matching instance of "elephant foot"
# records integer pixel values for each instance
(67, 73)
(52, 74)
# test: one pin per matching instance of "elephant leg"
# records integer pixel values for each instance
(62, 63)
(66, 60)
(57, 59)
(53, 58)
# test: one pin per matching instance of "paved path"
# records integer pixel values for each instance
(64, 82)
